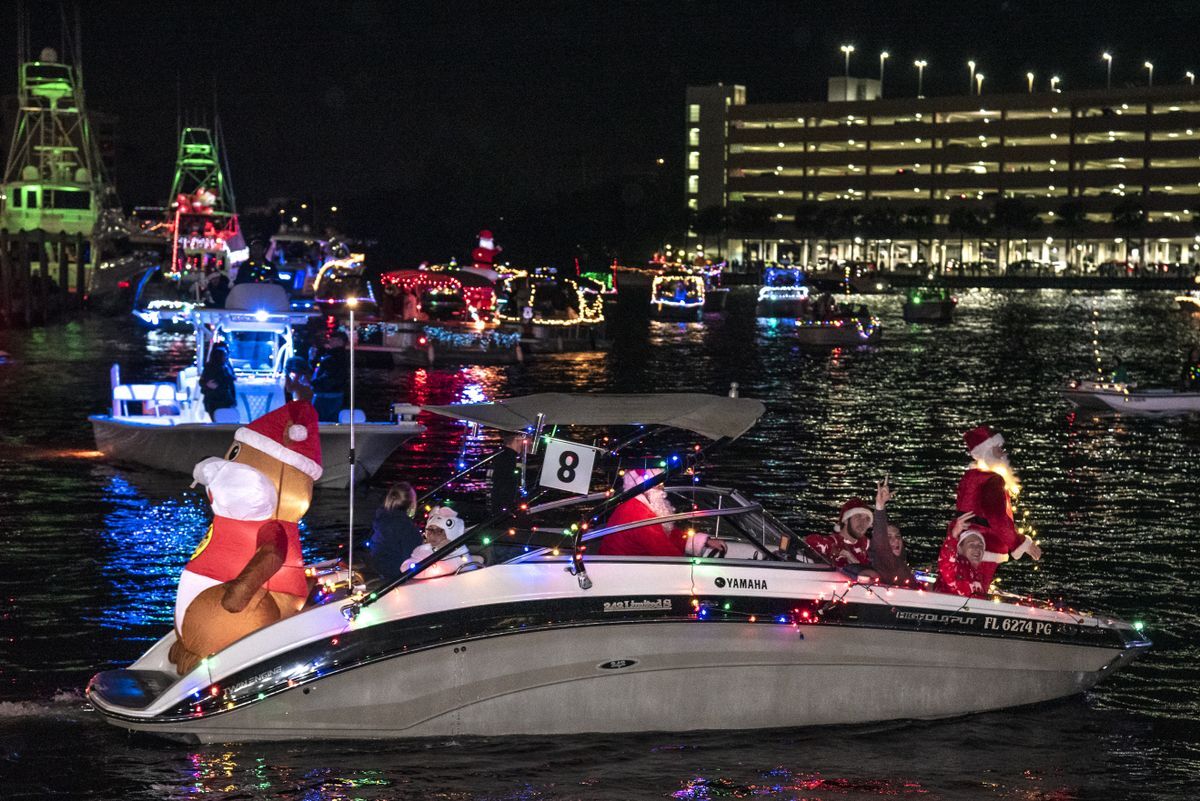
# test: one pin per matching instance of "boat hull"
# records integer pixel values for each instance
(844, 336)
(1092, 396)
(677, 312)
(177, 448)
(482, 654)
(789, 308)
(929, 312)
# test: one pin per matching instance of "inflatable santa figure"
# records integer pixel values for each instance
(987, 490)
(485, 255)
(248, 571)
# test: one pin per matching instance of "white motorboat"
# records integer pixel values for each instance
(783, 293)
(164, 425)
(1109, 396)
(547, 638)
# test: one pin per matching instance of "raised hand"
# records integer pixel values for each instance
(961, 522)
(883, 493)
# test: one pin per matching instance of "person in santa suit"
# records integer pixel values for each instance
(848, 544)
(487, 251)
(660, 539)
(960, 562)
(986, 490)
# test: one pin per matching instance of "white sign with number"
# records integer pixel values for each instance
(568, 466)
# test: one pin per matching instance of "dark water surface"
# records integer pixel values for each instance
(89, 557)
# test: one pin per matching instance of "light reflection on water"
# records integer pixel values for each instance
(89, 554)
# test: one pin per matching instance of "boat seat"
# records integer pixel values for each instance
(132, 689)
(154, 398)
(227, 414)
(359, 416)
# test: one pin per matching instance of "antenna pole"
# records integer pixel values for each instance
(353, 466)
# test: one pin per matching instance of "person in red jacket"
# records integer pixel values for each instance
(960, 562)
(848, 544)
(660, 539)
(986, 490)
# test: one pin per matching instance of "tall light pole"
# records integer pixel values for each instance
(1149, 69)
(979, 83)
(1191, 76)
(1029, 77)
(920, 65)
(847, 50)
(1054, 81)
(1108, 67)
(882, 58)
(971, 80)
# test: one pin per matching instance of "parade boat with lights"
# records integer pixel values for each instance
(1127, 398)
(783, 293)
(535, 631)
(343, 281)
(444, 316)
(298, 256)
(164, 425)
(839, 332)
(553, 313)
(929, 305)
(687, 293)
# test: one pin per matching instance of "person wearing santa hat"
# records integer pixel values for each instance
(659, 539)
(848, 544)
(986, 490)
(960, 562)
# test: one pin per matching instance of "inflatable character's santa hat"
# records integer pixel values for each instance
(981, 440)
(852, 507)
(486, 240)
(288, 434)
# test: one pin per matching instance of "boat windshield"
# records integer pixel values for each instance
(782, 277)
(255, 352)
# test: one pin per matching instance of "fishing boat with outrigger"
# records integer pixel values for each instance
(163, 424)
(534, 631)
(198, 234)
(784, 293)
(553, 313)
(929, 305)
(1129, 398)
(440, 316)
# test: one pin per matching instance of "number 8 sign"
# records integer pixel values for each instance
(568, 466)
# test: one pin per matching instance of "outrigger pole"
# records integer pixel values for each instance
(351, 304)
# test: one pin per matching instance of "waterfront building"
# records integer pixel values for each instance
(1082, 181)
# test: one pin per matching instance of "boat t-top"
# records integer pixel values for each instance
(554, 313)
(533, 630)
(784, 293)
(163, 424)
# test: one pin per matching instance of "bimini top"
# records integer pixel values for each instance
(711, 416)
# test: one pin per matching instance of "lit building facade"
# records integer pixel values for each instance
(1074, 178)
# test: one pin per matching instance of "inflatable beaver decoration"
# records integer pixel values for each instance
(248, 571)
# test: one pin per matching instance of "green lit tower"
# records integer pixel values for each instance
(203, 214)
(52, 180)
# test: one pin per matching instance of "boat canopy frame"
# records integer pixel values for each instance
(717, 418)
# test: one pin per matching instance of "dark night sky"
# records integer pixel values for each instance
(488, 107)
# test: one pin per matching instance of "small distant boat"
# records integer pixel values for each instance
(929, 305)
(1189, 302)
(687, 294)
(340, 281)
(1108, 396)
(433, 316)
(783, 293)
(839, 332)
(553, 313)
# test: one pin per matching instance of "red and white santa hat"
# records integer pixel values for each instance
(970, 534)
(288, 434)
(980, 440)
(852, 507)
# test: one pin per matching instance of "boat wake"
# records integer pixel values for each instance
(63, 703)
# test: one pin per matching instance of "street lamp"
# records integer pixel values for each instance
(971, 80)
(1191, 76)
(1150, 69)
(979, 83)
(1029, 77)
(847, 50)
(920, 65)
(882, 58)
(1108, 67)
(1054, 81)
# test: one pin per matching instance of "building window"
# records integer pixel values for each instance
(693, 137)
(693, 184)
(693, 204)
(693, 112)
(694, 160)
